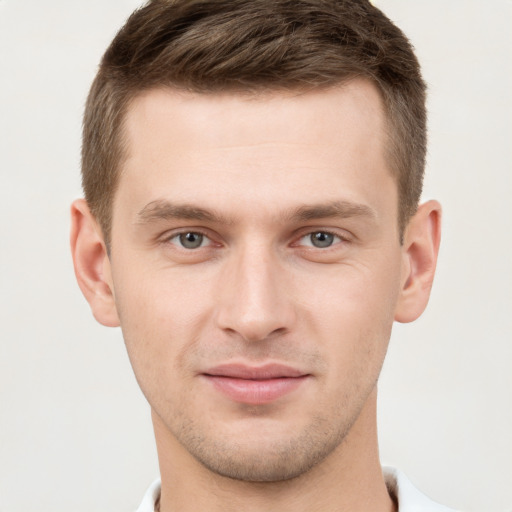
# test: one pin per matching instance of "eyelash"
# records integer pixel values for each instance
(309, 234)
(176, 236)
(173, 236)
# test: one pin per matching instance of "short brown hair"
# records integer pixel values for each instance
(253, 45)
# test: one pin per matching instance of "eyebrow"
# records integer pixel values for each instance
(164, 210)
(338, 209)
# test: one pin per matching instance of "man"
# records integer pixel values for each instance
(252, 172)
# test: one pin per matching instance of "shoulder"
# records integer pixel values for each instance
(408, 497)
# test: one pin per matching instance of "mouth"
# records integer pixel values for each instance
(255, 385)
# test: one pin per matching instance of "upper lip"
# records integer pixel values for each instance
(263, 372)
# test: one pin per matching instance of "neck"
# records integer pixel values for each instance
(350, 478)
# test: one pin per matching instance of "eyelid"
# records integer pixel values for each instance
(343, 236)
(168, 236)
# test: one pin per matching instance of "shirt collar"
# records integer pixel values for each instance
(399, 486)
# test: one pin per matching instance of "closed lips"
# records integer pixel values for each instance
(255, 385)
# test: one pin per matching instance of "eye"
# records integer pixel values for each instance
(190, 240)
(320, 239)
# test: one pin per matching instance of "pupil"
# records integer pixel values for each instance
(321, 239)
(191, 240)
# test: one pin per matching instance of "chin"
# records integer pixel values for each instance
(264, 456)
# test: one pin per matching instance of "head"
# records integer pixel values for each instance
(254, 47)
(252, 172)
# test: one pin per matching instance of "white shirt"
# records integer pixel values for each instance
(408, 497)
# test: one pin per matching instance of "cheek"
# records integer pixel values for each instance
(159, 301)
(353, 312)
(355, 295)
(161, 319)
(355, 327)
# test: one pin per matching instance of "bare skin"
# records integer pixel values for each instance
(256, 271)
(330, 486)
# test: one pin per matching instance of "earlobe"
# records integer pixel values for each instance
(420, 250)
(92, 266)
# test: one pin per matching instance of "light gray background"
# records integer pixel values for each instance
(75, 432)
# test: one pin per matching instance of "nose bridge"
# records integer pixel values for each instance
(254, 303)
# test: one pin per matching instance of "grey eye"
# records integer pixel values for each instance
(321, 239)
(191, 240)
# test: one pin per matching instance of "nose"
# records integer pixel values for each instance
(254, 298)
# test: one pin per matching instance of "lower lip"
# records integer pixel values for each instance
(255, 392)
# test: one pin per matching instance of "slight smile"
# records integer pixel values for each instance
(255, 385)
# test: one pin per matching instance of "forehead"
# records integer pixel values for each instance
(229, 117)
(273, 146)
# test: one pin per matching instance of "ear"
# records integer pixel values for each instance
(92, 265)
(420, 248)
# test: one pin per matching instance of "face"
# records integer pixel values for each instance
(256, 265)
